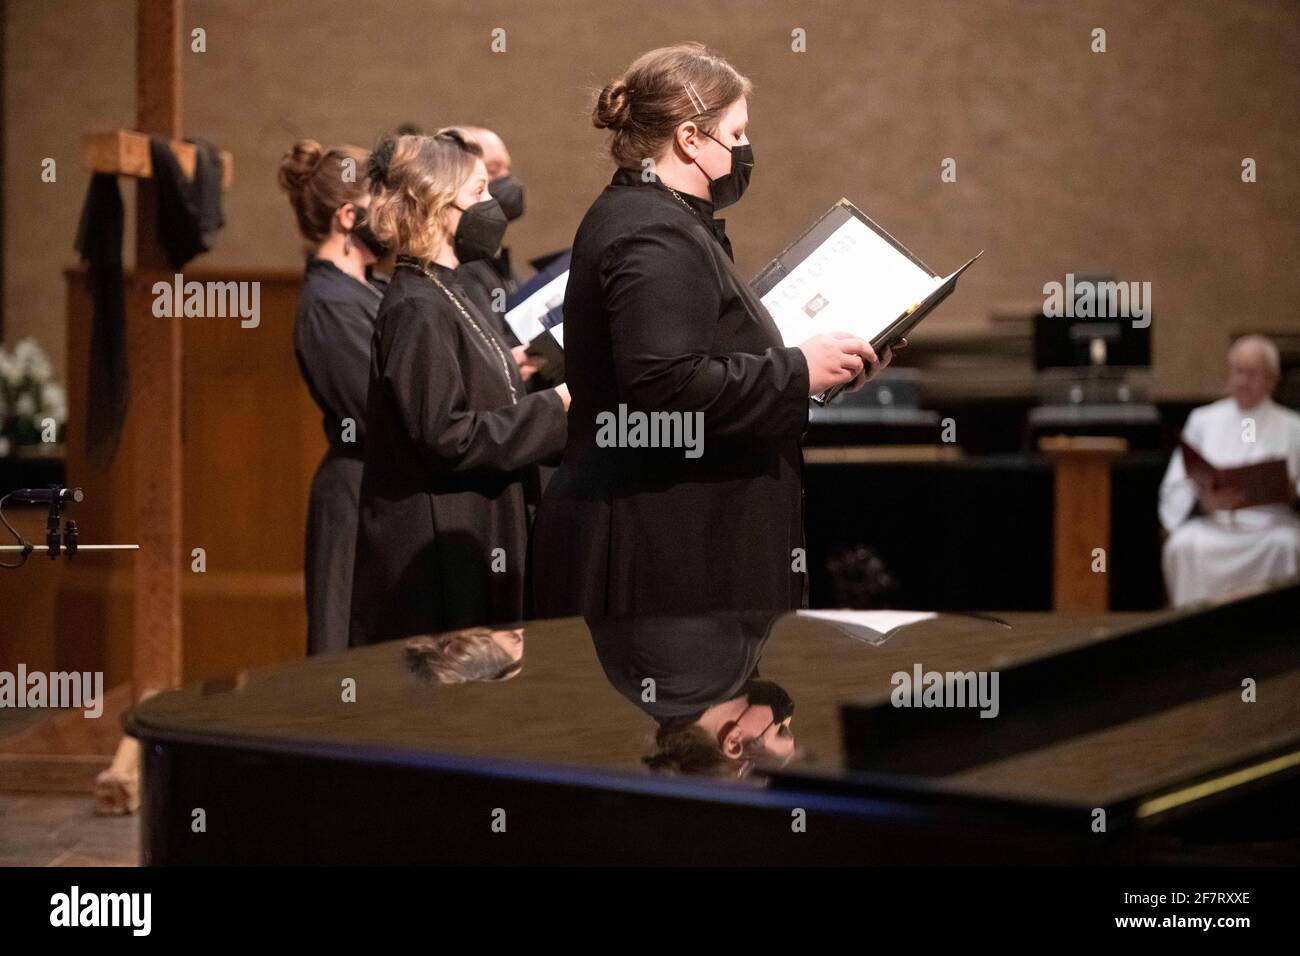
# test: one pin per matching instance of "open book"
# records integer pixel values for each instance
(1263, 483)
(535, 313)
(846, 274)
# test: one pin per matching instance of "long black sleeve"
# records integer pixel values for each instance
(662, 293)
(424, 379)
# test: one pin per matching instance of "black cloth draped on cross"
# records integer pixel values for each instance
(189, 215)
(189, 211)
(99, 243)
(656, 319)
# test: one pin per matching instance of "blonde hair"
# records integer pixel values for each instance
(460, 657)
(316, 181)
(661, 90)
(414, 179)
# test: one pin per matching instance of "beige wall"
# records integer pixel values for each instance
(1127, 161)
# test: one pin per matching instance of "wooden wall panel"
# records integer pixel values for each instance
(1066, 159)
(252, 440)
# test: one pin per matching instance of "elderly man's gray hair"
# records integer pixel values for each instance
(1265, 347)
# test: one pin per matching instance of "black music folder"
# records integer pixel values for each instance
(847, 274)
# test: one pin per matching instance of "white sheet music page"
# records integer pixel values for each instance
(525, 319)
(855, 282)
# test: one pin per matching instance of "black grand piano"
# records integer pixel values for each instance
(750, 738)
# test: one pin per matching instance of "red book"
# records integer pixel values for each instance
(1263, 483)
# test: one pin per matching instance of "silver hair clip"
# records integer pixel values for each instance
(696, 100)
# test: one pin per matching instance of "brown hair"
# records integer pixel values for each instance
(689, 750)
(460, 657)
(662, 89)
(319, 181)
(415, 179)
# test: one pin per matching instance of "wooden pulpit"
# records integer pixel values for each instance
(1081, 536)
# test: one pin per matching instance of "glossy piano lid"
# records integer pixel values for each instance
(679, 695)
(577, 698)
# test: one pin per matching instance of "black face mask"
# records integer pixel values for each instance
(509, 192)
(725, 190)
(773, 695)
(481, 229)
(362, 232)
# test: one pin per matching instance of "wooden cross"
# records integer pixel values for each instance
(154, 360)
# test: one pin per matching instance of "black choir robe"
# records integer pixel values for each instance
(695, 661)
(656, 318)
(446, 457)
(488, 282)
(331, 339)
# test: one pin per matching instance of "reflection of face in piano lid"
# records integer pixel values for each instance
(692, 675)
(471, 654)
(753, 734)
(734, 739)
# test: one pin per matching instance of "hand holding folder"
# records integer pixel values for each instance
(535, 314)
(869, 369)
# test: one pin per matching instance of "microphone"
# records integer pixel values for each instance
(49, 495)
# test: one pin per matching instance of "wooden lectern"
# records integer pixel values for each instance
(1082, 520)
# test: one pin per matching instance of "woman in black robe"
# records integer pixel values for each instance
(715, 715)
(331, 337)
(451, 433)
(657, 321)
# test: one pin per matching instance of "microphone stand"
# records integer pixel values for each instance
(56, 541)
(70, 549)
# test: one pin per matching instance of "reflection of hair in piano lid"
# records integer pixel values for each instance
(460, 657)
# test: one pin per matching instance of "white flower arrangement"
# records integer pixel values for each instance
(28, 396)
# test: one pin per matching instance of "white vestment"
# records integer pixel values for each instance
(1211, 556)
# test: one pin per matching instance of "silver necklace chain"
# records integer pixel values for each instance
(678, 197)
(698, 215)
(488, 339)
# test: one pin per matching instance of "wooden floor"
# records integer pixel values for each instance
(40, 829)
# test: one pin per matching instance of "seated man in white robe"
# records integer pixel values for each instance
(1216, 547)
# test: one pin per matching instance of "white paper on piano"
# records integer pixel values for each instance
(873, 627)
(526, 319)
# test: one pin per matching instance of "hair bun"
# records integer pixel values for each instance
(298, 164)
(381, 157)
(613, 106)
